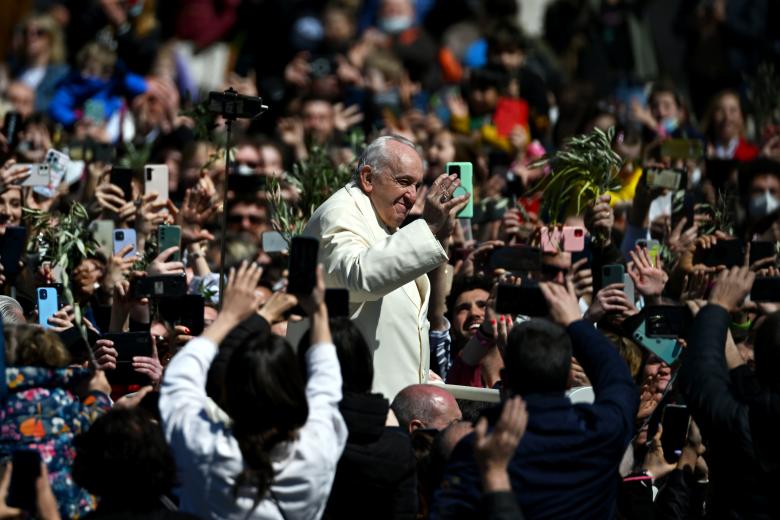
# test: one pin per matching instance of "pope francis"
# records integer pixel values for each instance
(384, 267)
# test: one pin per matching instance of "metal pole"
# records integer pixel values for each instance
(224, 216)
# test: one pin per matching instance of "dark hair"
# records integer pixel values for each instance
(767, 351)
(461, 284)
(266, 398)
(505, 37)
(666, 87)
(537, 358)
(122, 450)
(355, 360)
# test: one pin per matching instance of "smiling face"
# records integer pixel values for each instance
(727, 117)
(10, 208)
(660, 373)
(469, 312)
(393, 191)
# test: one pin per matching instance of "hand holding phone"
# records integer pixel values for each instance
(48, 304)
(303, 265)
(464, 171)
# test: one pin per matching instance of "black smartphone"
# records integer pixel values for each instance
(26, 470)
(720, 172)
(667, 321)
(303, 265)
(686, 208)
(761, 249)
(162, 285)
(128, 345)
(766, 289)
(123, 177)
(246, 183)
(337, 301)
(612, 274)
(185, 310)
(517, 258)
(12, 125)
(12, 248)
(725, 252)
(675, 421)
(526, 299)
(586, 252)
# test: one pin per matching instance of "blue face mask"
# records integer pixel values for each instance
(395, 24)
(670, 124)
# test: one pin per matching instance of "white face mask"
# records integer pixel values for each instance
(696, 176)
(762, 205)
(395, 24)
(245, 169)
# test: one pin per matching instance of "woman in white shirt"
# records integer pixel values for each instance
(277, 456)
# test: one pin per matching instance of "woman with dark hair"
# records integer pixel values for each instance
(277, 458)
(377, 471)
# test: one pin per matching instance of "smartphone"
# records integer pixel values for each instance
(22, 489)
(95, 111)
(516, 258)
(766, 289)
(156, 180)
(667, 321)
(464, 171)
(573, 238)
(762, 249)
(303, 265)
(246, 183)
(551, 239)
(628, 288)
(186, 310)
(682, 149)
(161, 285)
(724, 252)
(721, 172)
(274, 242)
(123, 178)
(612, 273)
(128, 345)
(48, 304)
(123, 237)
(12, 248)
(526, 299)
(58, 166)
(103, 231)
(675, 421)
(652, 246)
(586, 252)
(667, 349)
(60, 292)
(684, 206)
(169, 236)
(668, 178)
(337, 301)
(39, 174)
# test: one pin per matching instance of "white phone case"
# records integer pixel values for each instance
(156, 180)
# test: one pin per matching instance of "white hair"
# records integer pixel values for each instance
(10, 311)
(377, 157)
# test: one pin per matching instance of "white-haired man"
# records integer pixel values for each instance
(384, 266)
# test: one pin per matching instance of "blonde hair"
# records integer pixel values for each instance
(57, 50)
(31, 345)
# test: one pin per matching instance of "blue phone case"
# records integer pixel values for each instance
(48, 304)
(123, 237)
(668, 349)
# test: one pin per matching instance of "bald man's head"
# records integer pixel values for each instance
(425, 406)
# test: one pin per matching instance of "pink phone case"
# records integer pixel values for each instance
(551, 239)
(573, 238)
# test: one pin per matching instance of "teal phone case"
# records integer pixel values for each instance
(466, 186)
(668, 349)
(167, 237)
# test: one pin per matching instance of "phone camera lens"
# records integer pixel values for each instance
(120, 235)
(148, 174)
(578, 233)
(42, 294)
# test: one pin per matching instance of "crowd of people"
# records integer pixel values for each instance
(613, 356)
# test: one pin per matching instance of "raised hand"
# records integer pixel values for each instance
(610, 299)
(731, 287)
(440, 207)
(345, 118)
(105, 354)
(149, 365)
(161, 265)
(11, 174)
(601, 219)
(648, 279)
(582, 278)
(562, 301)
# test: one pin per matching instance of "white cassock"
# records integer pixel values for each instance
(385, 274)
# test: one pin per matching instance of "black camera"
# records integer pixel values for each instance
(120, 235)
(42, 294)
(232, 105)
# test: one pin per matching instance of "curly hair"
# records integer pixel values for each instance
(30, 345)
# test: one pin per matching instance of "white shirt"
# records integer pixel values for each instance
(208, 457)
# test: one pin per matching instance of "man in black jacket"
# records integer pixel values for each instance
(741, 427)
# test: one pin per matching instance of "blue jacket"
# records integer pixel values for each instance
(75, 90)
(566, 465)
